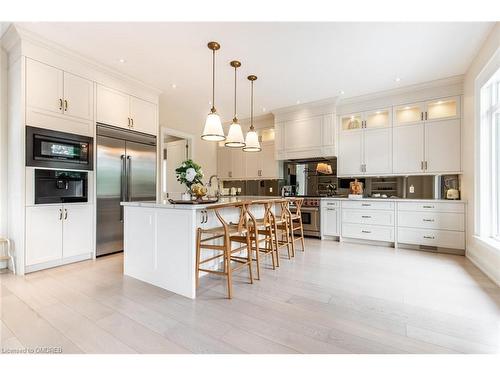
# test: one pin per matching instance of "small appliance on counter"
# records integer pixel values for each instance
(450, 187)
(355, 189)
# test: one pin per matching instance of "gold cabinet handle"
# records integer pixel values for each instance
(65, 105)
(60, 104)
(60, 214)
(128, 118)
(65, 214)
(132, 121)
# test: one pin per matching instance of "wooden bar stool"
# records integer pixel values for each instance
(229, 233)
(296, 222)
(8, 255)
(281, 222)
(262, 232)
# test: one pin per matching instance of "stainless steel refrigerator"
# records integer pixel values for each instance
(126, 171)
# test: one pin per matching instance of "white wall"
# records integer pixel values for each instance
(485, 257)
(3, 146)
(203, 152)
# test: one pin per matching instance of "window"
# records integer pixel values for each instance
(489, 160)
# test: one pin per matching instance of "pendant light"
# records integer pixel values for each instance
(252, 140)
(213, 127)
(235, 137)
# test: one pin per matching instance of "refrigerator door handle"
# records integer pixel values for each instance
(122, 186)
(129, 165)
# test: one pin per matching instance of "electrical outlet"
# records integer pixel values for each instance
(412, 189)
(270, 189)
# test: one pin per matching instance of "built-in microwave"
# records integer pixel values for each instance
(54, 149)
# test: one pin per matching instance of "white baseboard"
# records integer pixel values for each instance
(482, 267)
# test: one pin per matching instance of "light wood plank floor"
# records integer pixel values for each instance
(335, 298)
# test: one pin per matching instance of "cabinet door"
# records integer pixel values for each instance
(223, 162)
(351, 122)
(350, 150)
(443, 109)
(237, 163)
(269, 165)
(253, 163)
(380, 118)
(377, 147)
(44, 234)
(143, 116)
(77, 230)
(78, 96)
(330, 218)
(113, 107)
(44, 88)
(408, 148)
(442, 146)
(408, 114)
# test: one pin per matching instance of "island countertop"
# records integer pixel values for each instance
(200, 206)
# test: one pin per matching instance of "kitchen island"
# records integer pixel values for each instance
(160, 240)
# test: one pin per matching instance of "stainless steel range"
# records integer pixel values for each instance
(311, 219)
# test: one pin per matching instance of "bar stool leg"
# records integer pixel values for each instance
(269, 244)
(249, 256)
(274, 244)
(257, 255)
(289, 244)
(227, 253)
(302, 234)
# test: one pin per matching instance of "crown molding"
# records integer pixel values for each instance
(332, 101)
(28, 36)
(448, 81)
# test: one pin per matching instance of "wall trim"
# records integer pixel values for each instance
(482, 267)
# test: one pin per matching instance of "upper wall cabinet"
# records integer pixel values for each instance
(427, 137)
(58, 100)
(126, 111)
(300, 135)
(365, 143)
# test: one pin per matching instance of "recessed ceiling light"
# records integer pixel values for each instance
(263, 109)
(407, 107)
(174, 86)
(341, 92)
(440, 102)
(397, 79)
(122, 61)
(298, 101)
(378, 112)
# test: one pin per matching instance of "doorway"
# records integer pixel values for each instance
(176, 148)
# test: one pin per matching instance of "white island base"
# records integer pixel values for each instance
(160, 241)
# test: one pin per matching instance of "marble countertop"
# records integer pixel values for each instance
(394, 199)
(201, 206)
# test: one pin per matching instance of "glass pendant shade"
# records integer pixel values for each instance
(252, 143)
(235, 137)
(213, 128)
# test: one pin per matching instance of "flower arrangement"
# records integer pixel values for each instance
(189, 173)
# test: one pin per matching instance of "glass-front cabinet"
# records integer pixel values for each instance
(351, 122)
(377, 119)
(432, 110)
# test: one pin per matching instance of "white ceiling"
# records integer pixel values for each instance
(294, 61)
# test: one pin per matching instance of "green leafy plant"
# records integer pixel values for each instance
(189, 173)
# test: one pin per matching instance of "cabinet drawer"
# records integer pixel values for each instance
(432, 220)
(376, 217)
(368, 232)
(432, 206)
(430, 237)
(330, 203)
(369, 205)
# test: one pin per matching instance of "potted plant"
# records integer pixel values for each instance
(189, 173)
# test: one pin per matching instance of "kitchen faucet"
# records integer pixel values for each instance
(209, 185)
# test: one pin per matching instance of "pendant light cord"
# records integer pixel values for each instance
(251, 110)
(213, 80)
(235, 91)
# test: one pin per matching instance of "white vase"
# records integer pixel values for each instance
(186, 196)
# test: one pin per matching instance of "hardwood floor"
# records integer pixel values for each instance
(334, 298)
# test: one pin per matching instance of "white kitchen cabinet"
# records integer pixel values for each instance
(365, 143)
(253, 164)
(126, 111)
(427, 137)
(408, 148)
(113, 107)
(237, 163)
(58, 233)
(269, 164)
(377, 151)
(77, 230)
(330, 218)
(44, 236)
(350, 157)
(223, 162)
(78, 97)
(58, 100)
(44, 88)
(442, 146)
(143, 116)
